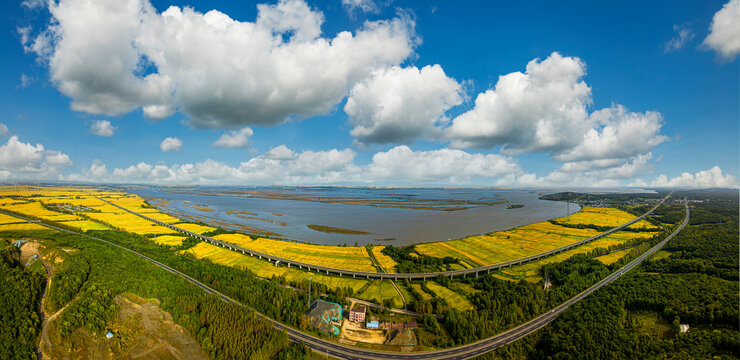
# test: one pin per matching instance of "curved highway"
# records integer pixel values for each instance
(461, 352)
(383, 276)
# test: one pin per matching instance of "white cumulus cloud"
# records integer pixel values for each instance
(724, 33)
(281, 165)
(398, 105)
(281, 152)
(4, 130)
(235, 139)
(447, 166)
(620, 134)
(543, 109)
(706, 178)
(111, 57)
(102, 128)
(27, 160)
(171, 144)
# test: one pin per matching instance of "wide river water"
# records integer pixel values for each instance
(405, 226)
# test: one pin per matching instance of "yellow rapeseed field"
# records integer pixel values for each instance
(388, 264)
(169, 240)
(480, 250)
(266, 269)
(339, 257)
(609, 259)
(604, 216)
(22, 226)
(7, 219)
(85, 225)
(531, 271)
(455, 300)
(196, 228)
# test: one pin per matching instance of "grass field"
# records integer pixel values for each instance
(455, 300)
(381, 290)
(661, 254)
(463, 288)
(339, 257)
(424, 294)
(266, 269)
(481, 250)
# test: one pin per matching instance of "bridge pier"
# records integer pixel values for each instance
(353, 276)
(288, 264)
(476, 274)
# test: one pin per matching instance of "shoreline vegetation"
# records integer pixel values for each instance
(400, 201)
(336, 230)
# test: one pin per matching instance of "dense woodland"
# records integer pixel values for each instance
(225, 331)
(20, 297)
(410, 261)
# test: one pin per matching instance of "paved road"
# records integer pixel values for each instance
(374, 275)
(461, 352)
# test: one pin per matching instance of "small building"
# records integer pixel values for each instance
(683, 328)
(109, 335)
(324, 314)
(410, 325)
(372, 325)
(357, 314)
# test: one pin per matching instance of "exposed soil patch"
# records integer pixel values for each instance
(141, 330)
(354, 331)
(29, 249)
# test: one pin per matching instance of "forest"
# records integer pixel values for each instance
(20, 297)
(98, 272)
(410, 261)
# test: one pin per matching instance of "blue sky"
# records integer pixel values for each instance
(376, 93)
